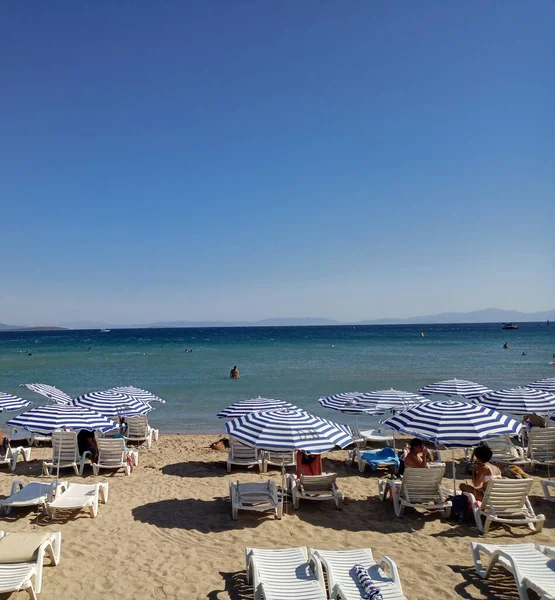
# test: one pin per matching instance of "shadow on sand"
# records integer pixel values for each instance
(500, 585)
(235, 586)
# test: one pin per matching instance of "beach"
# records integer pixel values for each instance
(167, 531)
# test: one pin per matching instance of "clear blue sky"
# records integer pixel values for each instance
(241, 160)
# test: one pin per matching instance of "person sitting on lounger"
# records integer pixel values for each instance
(87, 443)
(483, 473)
(417, 455)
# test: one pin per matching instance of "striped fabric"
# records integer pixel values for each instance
(455, 387)
(520, 401)
(113, 404)
(452, 423)
(285, 430)
(245, 407)
(49, 391)
(547, 384)
(143, 395)
(371, 590)
(49, 418)
(396, 399)
(350, 403)
(11, 402)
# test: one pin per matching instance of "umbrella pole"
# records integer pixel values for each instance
(454, 472)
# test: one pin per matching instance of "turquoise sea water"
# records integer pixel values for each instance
(298, 364)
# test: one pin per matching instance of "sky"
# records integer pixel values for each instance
(242, 160)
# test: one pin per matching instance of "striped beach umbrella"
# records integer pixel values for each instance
(143, 395)
(285, 430)
(453, 424)
(520, 401)
(11, 402)
(351, 403)
(113, 404)
(52, 417)
(393, 399)
(51, 392)
(455, 387)
(547, 384)
(245, 407)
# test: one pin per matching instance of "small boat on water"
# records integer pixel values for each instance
(509, 326)
(104, 331)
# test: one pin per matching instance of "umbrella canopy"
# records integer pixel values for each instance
(49, 391)
(143, 395)
(547, 384)
(395, 399)
(284, 430)
(11, 402)
(52, 417)
(112, 404)
(455, 387)
(351, 403)
(520, 401)
(453, 424)
(245, 407)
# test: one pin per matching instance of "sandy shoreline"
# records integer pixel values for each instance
(167, 531)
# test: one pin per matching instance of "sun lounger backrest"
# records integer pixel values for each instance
(421, 485)
(111, 451)
(503, 448)
(541, 444)
(242, 451)
(315, 483)
(506, 494)
(137, 428)
(64, 447)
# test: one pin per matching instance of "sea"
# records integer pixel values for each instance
(189, 368)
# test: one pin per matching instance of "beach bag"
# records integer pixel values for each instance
(461, 510)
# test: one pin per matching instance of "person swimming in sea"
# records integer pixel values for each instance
(506, 346)
(234, 373)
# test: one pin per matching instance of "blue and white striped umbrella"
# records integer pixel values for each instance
(393, 399)
(455, 387)
(142, 395)
(49, 391)
(350, 403)
(245, 407)
(547, 384)
(285, 430)
(453, 424)
(113, 404)
(11, 402)
(52, 417)
(520, 401)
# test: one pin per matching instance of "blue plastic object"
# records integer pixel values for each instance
(384, 456)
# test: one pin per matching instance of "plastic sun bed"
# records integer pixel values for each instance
(337, 567)
(22, 560)
(34, 493)
(10, 458)
(254, 496)
(315, 487)
(243, 455)
(548, 488)
(282, 574)
(532, 569)
(383, 458)
(77, 496)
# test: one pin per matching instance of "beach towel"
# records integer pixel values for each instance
(371, 590)
(384, 456)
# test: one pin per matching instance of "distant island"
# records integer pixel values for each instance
(487, 315)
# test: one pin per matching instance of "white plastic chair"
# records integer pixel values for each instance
(33, 493)
(531, 568)
(541, 446)
(22, 560)
(254, 496)
(419, 488)
(278, 459)
(315, 487)
(282, 574)
(112, 455)
(243, 455)
(77, 496)
(506, 501)
(65, 453)
(337, 568)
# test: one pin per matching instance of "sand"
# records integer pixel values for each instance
(167, 532)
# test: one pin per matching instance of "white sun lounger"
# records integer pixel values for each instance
(243, 455)
(505, 452)
(283, 574)
(22, 559)
(65, 453)
(541, 446)
(315, 487)
(112, 455)
(278, 459)
(343, 584)
(33, 493)
(419, 488)
(138, 430)
(18, 434)
(506, 501)
(531, 568)
(254, 496)
(548, 488)
(12, 454)
(77, 496)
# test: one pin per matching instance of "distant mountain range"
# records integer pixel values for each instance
(487, 315)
